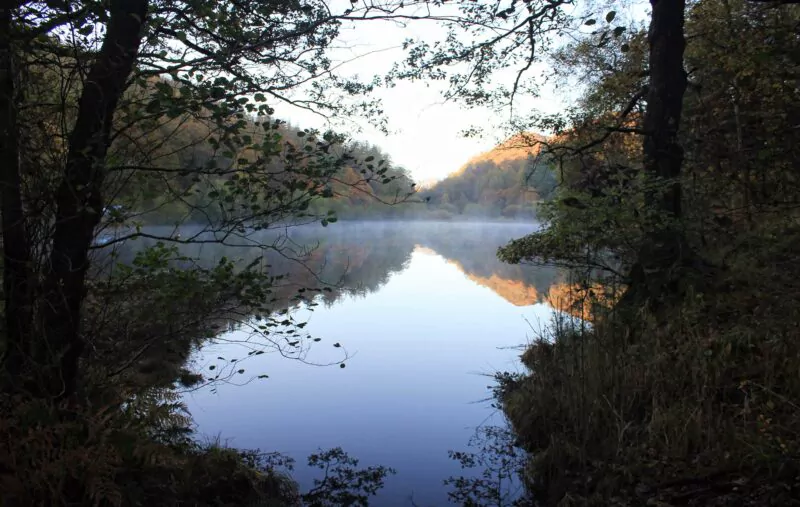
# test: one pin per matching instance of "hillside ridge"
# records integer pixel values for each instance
(504, 182)
(516, 147)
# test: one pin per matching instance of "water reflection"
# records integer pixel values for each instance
(359, 258)
(424, 310)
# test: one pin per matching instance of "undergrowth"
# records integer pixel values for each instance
(142, 453)
(700, 408)
(59, 455)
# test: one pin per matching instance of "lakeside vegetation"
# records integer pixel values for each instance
(668, 192)
(155, 117)
(684, 390)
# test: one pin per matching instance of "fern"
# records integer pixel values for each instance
(162, 414)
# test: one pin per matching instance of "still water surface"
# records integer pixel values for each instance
(425, 312)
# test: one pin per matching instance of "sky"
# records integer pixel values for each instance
(426, 133)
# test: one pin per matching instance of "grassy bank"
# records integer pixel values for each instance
(695, 405)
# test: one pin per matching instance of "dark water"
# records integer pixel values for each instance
(423, 311)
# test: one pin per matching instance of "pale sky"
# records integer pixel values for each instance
(426, 133)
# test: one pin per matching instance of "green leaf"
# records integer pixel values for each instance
(610, 16)
(590, 22)
(619, 31)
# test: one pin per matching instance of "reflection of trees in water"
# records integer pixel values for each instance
(311, 265)
(583, 301)
(516, 292)
(359, 258)
(473, 249)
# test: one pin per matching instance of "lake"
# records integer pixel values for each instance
(424, 314)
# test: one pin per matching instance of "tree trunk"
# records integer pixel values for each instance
(663, 155)
(665, 247)
(79, 198)
(17, 277)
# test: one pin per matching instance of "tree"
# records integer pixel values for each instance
(116, 113)
(131, 76)
(510, 39)
(661, 149)
(678, 155)
(728, 121)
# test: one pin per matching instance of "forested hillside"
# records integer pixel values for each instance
(193, 168)
(189, 166)
(508, 181)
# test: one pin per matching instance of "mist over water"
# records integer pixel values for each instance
(424, 311)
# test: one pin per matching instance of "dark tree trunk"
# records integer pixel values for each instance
(663, 155)
(79, 197)
(655, 274)
(17, 277)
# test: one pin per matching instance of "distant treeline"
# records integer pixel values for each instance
(506, 182)
(191, 170)
(194, 169)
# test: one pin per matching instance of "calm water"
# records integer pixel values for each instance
(424, 311)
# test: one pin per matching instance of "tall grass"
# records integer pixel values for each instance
(698, 408)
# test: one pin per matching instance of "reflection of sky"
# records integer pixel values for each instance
(407, 396)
